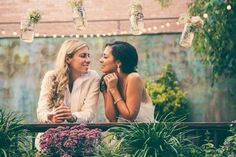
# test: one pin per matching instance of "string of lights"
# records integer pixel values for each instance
(171, 21)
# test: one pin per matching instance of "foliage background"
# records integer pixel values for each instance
(215, 44)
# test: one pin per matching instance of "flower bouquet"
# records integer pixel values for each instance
(136, 17)
(28, 23)
(79, 15)
(191, 25)
(70, 141)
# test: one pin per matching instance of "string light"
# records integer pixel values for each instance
(205, 15)
(119, 32)
(228, 7)
(124, 32)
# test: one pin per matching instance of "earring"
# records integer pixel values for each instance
(118, 69)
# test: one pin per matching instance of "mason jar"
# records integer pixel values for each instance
(187, 36)
(136, 23)
(26, 31)
(79, 18)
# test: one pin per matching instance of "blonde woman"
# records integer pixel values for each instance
(70, 92)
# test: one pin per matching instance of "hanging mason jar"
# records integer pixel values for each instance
(187, 36)
(27, 25)
(79, 18)
(136, 22)
(27, 31)
(136, 17)
(192, 25)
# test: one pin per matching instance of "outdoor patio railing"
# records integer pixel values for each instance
(216, 131)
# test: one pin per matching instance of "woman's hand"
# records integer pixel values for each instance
(111, 81)
(61, 114)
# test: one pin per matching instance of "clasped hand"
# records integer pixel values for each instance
(111, 81)
(60, 114)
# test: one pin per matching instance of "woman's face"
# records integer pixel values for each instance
(80, 61)
(108, 64)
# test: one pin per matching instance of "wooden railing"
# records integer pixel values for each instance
(216, 131)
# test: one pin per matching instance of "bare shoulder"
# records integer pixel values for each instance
(134, 77)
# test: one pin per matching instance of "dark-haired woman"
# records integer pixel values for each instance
(123, 90)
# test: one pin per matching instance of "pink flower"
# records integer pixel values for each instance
(70, 141)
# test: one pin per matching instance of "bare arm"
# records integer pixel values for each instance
(110, 109)
(128, 108)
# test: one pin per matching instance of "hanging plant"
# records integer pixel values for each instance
(164, 3)
(136, 17)
(191, 25)
(28, 24)
(76, 3)
(78, 14)
(34, 16)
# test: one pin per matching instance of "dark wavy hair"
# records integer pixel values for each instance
(127, 55)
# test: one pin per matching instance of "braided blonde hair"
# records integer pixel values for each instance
(61, 78)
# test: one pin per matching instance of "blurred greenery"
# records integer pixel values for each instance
(215, 44)
(167, 95)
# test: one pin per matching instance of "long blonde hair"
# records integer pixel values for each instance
(60, 79)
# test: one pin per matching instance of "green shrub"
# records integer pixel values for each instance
(167, 95)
